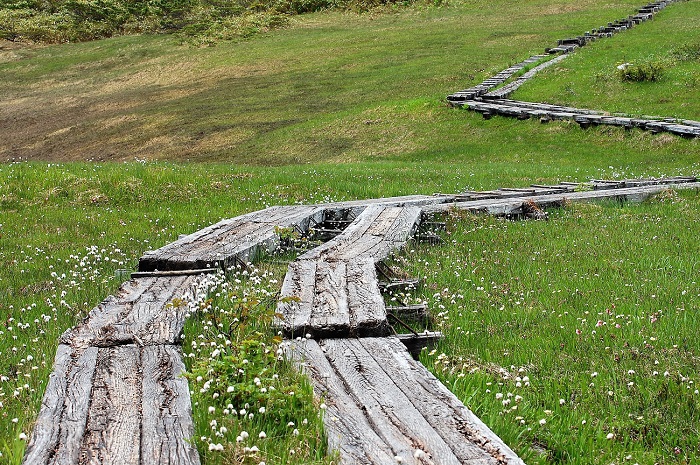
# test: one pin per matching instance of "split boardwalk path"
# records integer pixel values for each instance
(116, 395)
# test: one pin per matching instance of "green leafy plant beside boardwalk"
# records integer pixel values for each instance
(250, 405)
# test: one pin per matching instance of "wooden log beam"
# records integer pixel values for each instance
(383, 407)
(167, 427)
(415, 343)
(146, 311)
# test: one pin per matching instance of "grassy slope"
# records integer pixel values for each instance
(273, 100)
(588, 78)
(336, 88)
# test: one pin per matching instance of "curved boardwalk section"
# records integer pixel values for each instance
(490, 97)
(336, 284)
(116, 395)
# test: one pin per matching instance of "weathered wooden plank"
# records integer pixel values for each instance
(44, 441)
(387, 216)
(365, 301)
(167, 427)
(299, 283)
(347, 425)
(331, 313)
(507, 206)
(364, 246)
(415, 343)
(386, 406)
(348, 300)
(470, 441)
(365, 220)
(220, 243)
(142, 314)
(157, 274)
(66, 404)
(404, 226)
(415, 312)
(152, 259)
(113, 430)
(355, 232)
(220, 250)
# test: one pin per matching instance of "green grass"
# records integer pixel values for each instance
(334, 87)
(586, 321)
(249, 404)
(339, 106)
(589, 78)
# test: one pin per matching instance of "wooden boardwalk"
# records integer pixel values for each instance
(383, 407)
(337, 282)
(490, 97)
(116, 395)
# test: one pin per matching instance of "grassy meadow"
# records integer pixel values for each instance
(589, 78)
(115, 147)
(574, 339)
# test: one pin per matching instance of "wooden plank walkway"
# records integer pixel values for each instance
(383, 407)
(228, 242)
(336, 283)
(239, 240)
(490, 97)
(518, 205)
(116, 394)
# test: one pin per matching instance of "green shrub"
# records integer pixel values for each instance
(648, 70)
(54, 21)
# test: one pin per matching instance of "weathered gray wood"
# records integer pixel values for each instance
(166, 429)
(76, 404)
(61, 420)
(229, 240)
(383, 221)
(113, 430)
(297, 298)
(346, 423)
(143, 313)
(347, 299)
(399, 283)
(352, 233)
(365, 301)
(415, 312)
(404, 226)
(415, 343)
(331, 313)
(376, 232)
(471, 441)
(388, 409)
(156, 274)
(401, 201)
(514, 206)
(44, 438)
